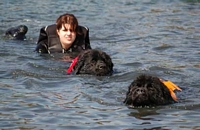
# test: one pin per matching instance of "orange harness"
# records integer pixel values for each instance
(171, 87)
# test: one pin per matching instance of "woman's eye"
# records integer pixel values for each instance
(66, 30)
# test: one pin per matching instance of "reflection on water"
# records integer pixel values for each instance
(154, 37)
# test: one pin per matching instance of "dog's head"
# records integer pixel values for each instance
(18, 32)
(147, 91)
(94, 62)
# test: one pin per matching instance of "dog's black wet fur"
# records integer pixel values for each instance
(147, 90)
(94, 62)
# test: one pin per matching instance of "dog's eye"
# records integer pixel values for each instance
(148, 85)
(93, 60)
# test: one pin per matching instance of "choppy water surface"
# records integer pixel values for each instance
(152, 36)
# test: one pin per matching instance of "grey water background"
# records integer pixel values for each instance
(155, 37)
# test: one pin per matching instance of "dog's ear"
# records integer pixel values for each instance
(81, 61)
(128, 97)
(78, 65)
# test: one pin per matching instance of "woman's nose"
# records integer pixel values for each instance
(68, 32)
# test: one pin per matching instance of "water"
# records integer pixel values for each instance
(150, 36)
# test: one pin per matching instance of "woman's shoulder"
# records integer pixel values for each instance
(50, 27)
(83, 28)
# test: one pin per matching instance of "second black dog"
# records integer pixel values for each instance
(93, 62)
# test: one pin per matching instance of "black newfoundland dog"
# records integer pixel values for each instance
(148, 90)
(92, 62)
(17, 33)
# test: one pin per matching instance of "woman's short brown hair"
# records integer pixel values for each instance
(67, 19)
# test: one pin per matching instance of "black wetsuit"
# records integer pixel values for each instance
(49, 41)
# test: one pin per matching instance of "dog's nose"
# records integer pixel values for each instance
(140, 91)
(101, 65)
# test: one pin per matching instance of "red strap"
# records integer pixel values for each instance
(69, 70)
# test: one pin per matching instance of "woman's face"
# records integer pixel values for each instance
(66, 35)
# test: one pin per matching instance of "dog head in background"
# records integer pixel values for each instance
(93, 62)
